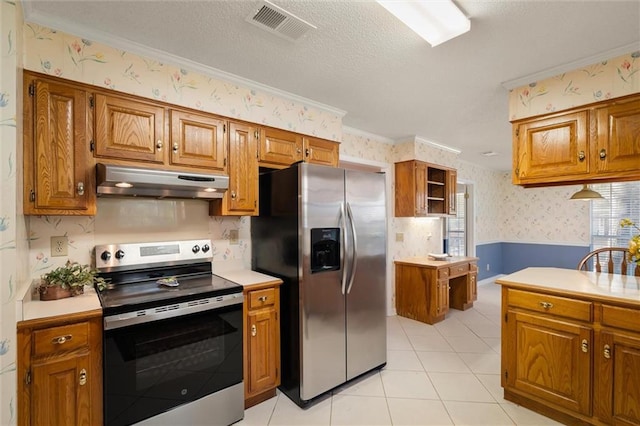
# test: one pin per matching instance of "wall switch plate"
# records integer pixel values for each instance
(59, 246)
(233, 236)
(399, 237)
(488, 267)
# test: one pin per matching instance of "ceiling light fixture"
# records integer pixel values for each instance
(434, 20)
(586, 194)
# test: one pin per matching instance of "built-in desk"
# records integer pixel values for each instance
(426, 288)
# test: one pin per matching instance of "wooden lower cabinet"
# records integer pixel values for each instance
(574, 359)
(262, 342)
(60, 370)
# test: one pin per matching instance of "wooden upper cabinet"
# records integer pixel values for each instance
(555, 146)
(58, 173)
(279, 148)
(197, 140)
(618, 137)
(410, 188)
(452, 192)
(129, 129)
(595, 143)
(242, 196)
(320, 151)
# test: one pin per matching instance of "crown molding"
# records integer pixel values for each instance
(437, 145)
(570, 66)
(31, 15)
(357, 132)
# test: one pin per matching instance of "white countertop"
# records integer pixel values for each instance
(569, 281)
(246, 277)
(29, 309)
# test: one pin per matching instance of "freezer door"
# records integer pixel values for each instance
(322, 304)
(366, 310)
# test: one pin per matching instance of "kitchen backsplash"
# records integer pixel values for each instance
(136, 220)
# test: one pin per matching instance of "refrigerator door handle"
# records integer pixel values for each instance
(354, 263)
(345, 246)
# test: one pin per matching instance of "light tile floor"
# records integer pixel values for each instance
(447, 374)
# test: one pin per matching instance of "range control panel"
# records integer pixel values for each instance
(111, 257)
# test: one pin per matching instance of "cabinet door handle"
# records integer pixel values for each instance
(607, 351)
(83, 377)
(254, 330)
(159, 145)
(233, 195)
(298, 150)
(603, 154)
(306, 152)
(80, 188)
(581, 156)
(584, 346)
(262, 298)
(175, 147)
(61, 339)
(546, 305)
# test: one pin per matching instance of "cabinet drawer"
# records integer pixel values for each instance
(443, 273)
(614, 316)
(63, 338)
(261, 298)
(473, 267)
(554, 305)
(457, 270)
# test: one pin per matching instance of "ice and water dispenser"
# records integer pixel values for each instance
(325, 249)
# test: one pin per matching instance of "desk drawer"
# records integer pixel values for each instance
(455, 271)
(554, 305)
(443, 273)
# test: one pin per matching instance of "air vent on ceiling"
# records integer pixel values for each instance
(278, 21)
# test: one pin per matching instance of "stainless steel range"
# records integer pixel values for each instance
(172, 336)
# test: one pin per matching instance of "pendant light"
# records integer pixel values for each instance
(586, 194)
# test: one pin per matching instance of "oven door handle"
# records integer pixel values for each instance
(125, 319)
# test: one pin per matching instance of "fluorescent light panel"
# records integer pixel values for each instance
(434, 20)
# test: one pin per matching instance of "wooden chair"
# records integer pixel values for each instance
(611, 255)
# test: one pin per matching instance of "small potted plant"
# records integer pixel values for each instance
(68, 280)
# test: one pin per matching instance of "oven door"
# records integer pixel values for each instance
(153, 367)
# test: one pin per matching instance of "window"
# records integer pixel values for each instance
(456, 226)
(622, 200)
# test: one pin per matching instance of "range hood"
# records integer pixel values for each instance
(140, 182)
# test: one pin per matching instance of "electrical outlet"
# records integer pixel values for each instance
(59, 246)
(399, 237)
(233, 237)
(488, 267)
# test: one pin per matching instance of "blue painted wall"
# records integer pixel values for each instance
(506, 258)
(489, 254)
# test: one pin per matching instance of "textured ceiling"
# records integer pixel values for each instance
(360, 59)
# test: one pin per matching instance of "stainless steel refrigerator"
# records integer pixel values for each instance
(322, 230)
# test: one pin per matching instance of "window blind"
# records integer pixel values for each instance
(622, 200)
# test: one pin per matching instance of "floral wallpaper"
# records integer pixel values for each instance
(13, 240)
(56, 53)
(359, 144)
(612, 78)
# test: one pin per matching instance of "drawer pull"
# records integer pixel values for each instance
(546, 305)
(584, 346)
(61, 339)
(607, 351)
(262, 298)
(83, 377)
(254, 330)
